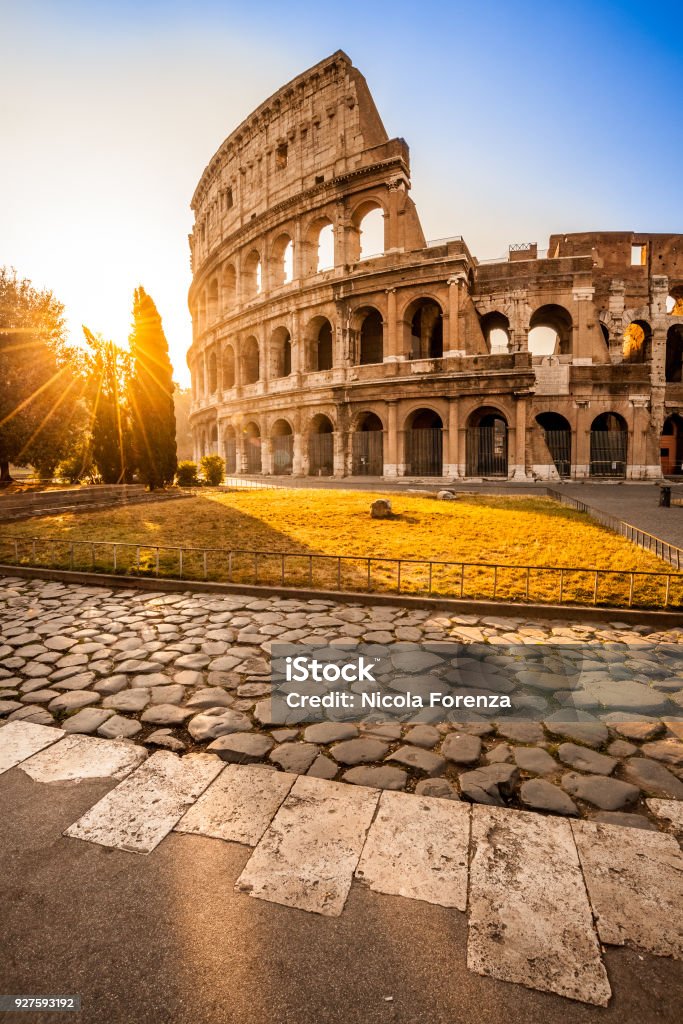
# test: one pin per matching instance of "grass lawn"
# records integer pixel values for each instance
(474, 528)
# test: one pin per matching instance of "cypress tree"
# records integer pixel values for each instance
(151, 395)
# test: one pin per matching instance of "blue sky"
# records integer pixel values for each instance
(523, 119)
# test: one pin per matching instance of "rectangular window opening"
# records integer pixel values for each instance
(638, 255)
(281, 155)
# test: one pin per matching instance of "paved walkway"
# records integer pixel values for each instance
(637, 504)
(540, 895)
(189, 672)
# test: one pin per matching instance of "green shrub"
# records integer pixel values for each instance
(186, 474)
(213, 469)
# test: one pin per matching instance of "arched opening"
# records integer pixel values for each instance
(609, 445)
(282, 441)
(674, 301)
(557, 435)
(319, 246)
(495, 327)
(282, 269)
(280, 353)
(368, 446)
(671, 446)
(423, 322)
(605, 334)
(321, 446)
(637, 342)
(487, 443)
(319, 344)
(212, 300)
(201, 380)
(229, 293)
(252, 448)
(550, 331)
(252, 274)
(370, 223)
(213, 439)
(674, 354)
(371, 337)
(228, 367)
(250, 361)
(213, 373)
(424, 443)
(230, 449)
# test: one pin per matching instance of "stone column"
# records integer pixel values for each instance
(266, 456)
(219, 438)
(339, 442)
(581, 442)
(581, 343)
(391, 440)
(391, 231)
(450, 467)
(392, 353)
(297, 454)
(519, 465)
(452, 343)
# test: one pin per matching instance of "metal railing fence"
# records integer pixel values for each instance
(381, 574)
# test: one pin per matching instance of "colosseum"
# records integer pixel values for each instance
(330, 338)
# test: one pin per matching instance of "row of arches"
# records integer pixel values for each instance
(422, 449)
(244, 363)
(278, 264)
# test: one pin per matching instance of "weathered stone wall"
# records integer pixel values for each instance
(305, 343)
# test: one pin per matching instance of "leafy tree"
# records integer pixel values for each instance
(41, 391)
(213, 469)
(151, 395)
(108, 371)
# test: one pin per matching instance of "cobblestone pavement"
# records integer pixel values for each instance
(542, 895)
(190, 672)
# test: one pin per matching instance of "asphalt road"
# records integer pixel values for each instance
(164, 938)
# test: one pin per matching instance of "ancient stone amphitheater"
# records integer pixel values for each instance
(331, 339)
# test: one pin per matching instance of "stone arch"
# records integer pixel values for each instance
(251, 433)
(608, 445)
(487, 442)
(674, 301)
(280, 353)
(230, 448)
(319, 246)
(251, 275)
(671, 445)
(637, 342)
(212, 300)
(369, 335)
(212, 368)
(250, 361)
(674, 354)
(423, 440)
(228, 367)
(550, 331)
(367, 452)
(557, 435)
(282, 261)
(282, 446)
(229, 290)
(319, 348)
(423, 329)
(320, 445)
(367, 234)
(495, 326)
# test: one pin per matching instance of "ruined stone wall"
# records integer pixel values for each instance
(305, 343)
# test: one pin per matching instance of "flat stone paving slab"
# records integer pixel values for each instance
(417, 847)
(239, 805)
(668, 811)
(19, 740)
(635, 885)
(530, 921)
(308, 854)
(78, 757)
(144, 807)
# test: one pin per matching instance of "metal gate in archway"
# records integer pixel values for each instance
(321, 454)
(368, 453)
(230, 455)
(559, 443)
(487, 450)
(424, 452)
(283, 453)
(608, 452)
(252, 451)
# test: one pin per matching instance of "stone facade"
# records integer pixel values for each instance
(314, 354)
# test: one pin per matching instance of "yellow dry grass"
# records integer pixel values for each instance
(473, 529)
